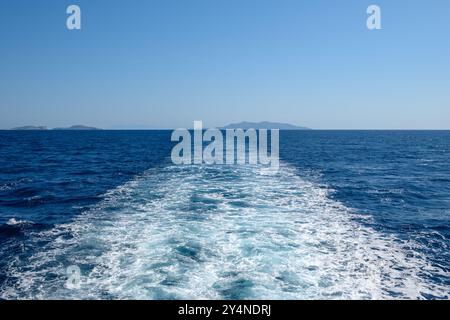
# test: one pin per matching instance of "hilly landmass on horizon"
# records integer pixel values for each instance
(39, 128)
(264, 125)
(245, 125)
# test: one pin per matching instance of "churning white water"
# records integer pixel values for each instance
(225, 232)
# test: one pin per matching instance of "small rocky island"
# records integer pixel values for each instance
(26, 128)
(40, 128)
(263, 125)
(78, 127)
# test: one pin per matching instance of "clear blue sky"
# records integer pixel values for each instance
(166, 63)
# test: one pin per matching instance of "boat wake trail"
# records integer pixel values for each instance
(221, 232)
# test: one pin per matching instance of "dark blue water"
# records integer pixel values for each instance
(350, 214)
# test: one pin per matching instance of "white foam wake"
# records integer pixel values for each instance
(226, 232)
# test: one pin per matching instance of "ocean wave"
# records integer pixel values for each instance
(14, 222)
(13, 184)
(223, 232)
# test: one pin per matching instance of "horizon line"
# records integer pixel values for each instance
(222, 128)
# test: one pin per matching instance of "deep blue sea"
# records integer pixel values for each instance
(349, 215)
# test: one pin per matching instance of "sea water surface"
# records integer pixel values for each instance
(349, 215)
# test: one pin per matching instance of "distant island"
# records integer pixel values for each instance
(241, 125)
(30, 128)
(39, 128)
(263, 125)
(78, 127)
